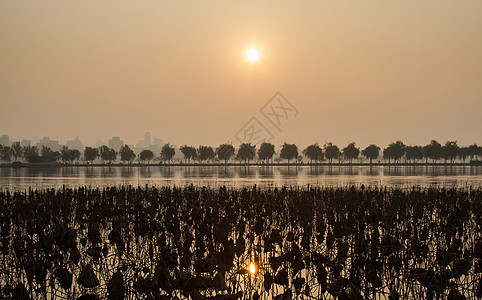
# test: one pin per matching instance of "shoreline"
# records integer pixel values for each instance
(341, 164)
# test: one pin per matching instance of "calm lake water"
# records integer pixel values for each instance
(236, 176)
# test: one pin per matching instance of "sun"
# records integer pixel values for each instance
(252, 268)
(252, 54)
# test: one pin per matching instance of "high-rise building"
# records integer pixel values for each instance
(99, 143)
(75, 144)
(116, 143)
(147, 138)
(47, 142)
(145, 143)
(25, 143)
(4, 140)
(158, 142)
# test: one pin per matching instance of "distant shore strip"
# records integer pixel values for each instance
(254, 164)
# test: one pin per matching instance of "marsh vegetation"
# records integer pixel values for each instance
(154, 243)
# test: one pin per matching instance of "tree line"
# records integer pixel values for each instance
(394, 153)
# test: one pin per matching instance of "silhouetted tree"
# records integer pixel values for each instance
(450, 151)
(126, 153)
(76, 154)
(225, 152)
(288, 152)
(351, 152)
(331, 151)
(394, 150)
(107, 154)
(66, 154)
(31, 154)
(464, 152)
(5, 153)
(16, 150)
(48, 155)
(313, 152)
(63, 153)
(189, 152)
(413, 153)
(266, 151)
(146, 155)
(167, 152)
(246, 152)
(432, 151)
(91, 154)
(474, 151)
(371, 152)
(205, 153)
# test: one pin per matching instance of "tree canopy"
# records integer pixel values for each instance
(188, 152)
(394, 151)
(205, 153)
(413, 152)
(331, 151)
(69, 155)
(266, 151)
(146, 155)
(48, 155)
(313, 152)
(126, 153)
(450, 150)
(371, 152)
(91, 154)
(167, 152)
(289, 152)
(432, 150)
(16, 150)
(225, 152)
(31, 154)
(351, 152)
(5, 153)
(246, 152)
(107, 154)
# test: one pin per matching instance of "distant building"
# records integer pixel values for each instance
(158, 142)
(47, 142)
(25, 143)
(99, 143)
(156, 146)
(116, 143)
(147, 138)
(146, 142)
(4, 140)
(75, 144)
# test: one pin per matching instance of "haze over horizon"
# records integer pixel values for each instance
(368, 72)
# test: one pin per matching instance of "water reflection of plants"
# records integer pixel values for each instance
(156, 243)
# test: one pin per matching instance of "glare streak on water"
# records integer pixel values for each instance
(240, 176)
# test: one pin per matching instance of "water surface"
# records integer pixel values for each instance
(238, 176)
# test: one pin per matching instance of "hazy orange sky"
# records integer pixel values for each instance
(363, 71)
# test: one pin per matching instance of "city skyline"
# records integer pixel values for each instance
(76, 142)
(116, 141)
